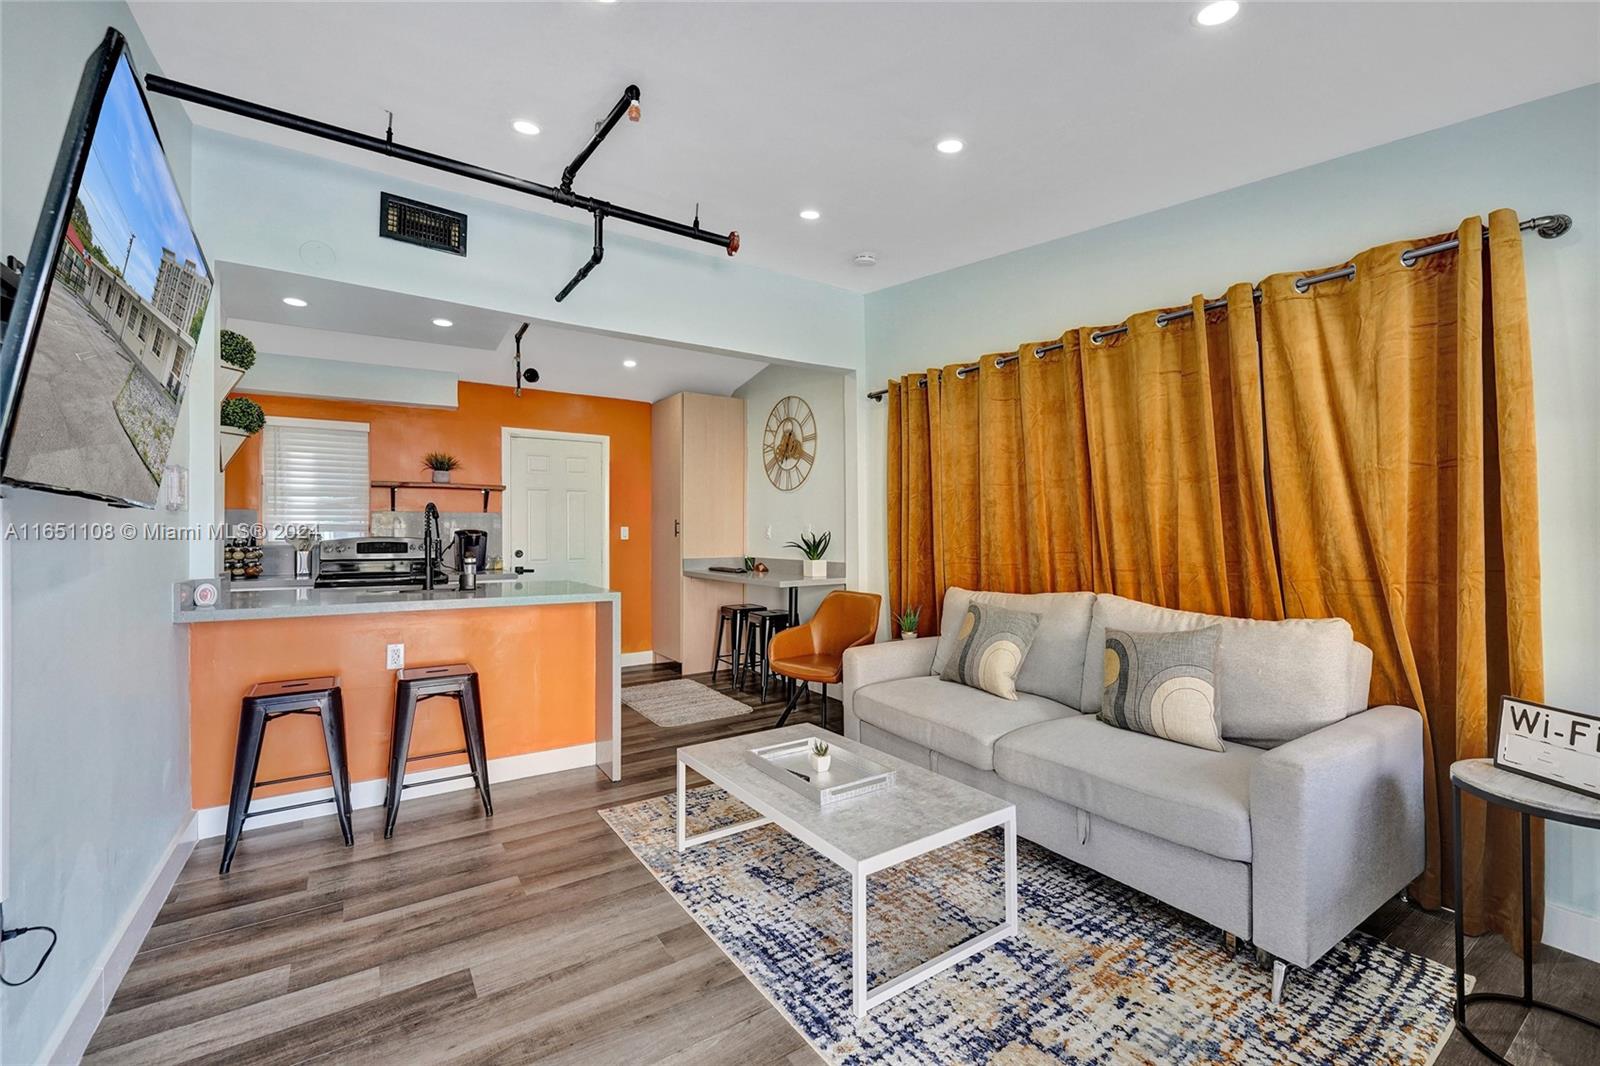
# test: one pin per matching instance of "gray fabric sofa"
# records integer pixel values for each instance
(1309, 820)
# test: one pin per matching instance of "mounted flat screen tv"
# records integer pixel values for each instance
(101, 337)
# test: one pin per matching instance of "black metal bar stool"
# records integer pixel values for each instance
(730, 616)
(275, 699)
(760, 626)
(459, 681)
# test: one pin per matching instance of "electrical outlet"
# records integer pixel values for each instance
(624, 533)
(395, 657)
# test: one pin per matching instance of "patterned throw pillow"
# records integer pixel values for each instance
(1163, 684)
(990, 648)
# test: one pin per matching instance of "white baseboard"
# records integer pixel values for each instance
(638, 658)
(72, 1036)
(213, 821)
(1572, 930)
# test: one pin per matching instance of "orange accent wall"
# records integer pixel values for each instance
(535, 671)
(401, 435)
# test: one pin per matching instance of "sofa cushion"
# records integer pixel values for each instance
(991, 645)
(1360, 678)
(954, 720)
(1193, 797)
(1275, 680)
(1054, 665)
(1163, 685)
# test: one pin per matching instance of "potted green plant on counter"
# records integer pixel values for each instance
(240, 418)
(907, 620)
(813, 546)
(441, 463)
(238, 354)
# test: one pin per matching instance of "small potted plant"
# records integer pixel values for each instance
(820, 759)
(441, 463)
(907, 620)
(238, 354)
(240, 418)
(749, 563)
(813, 546)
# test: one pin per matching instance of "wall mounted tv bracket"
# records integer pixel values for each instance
(385, 145)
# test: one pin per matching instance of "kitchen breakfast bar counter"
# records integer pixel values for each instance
(548, 656)
(238, 600)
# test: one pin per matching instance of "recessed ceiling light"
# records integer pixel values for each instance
(443, 322)
(525, 127)
(294, 301)
(950, 145)
(1215, 14)
(811, 214)
(629, 363)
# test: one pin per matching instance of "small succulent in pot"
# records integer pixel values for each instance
(813, 546)
(441, 463)
(907, 619)
(820, 757)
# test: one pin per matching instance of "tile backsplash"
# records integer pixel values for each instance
(409, 524)
(278, 559)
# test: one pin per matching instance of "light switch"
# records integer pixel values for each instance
(624, 533)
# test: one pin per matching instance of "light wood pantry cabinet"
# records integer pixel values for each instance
(697, 455)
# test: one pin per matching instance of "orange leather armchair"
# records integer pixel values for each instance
(815, 651)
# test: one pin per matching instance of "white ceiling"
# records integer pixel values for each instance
(356, 324)
(1075, 115)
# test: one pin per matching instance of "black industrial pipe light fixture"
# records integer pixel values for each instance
(600, 210)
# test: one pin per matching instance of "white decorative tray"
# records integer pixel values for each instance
(848, 775)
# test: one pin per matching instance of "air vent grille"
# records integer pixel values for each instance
(419, 223)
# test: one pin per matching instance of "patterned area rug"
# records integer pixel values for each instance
(681, 702)
(1098, 973)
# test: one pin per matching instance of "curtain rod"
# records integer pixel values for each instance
(1546, 226)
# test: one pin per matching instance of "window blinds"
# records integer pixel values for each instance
(315, 475)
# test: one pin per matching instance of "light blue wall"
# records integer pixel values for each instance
(818, 504)
(334, 379)
(257, 204)
(97, 678)
(1540, 158)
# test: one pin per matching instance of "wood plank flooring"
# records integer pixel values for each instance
(535, 936)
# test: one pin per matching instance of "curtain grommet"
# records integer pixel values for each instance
(1097, 338)
(1302, 286)
(1408, 258)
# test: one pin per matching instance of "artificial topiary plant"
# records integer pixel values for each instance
(238, 351)
(243, 413)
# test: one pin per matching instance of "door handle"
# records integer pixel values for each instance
(675, 526)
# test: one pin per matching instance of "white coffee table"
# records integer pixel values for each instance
(920, 812)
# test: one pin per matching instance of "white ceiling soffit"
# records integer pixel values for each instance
(357, 324)
(257, 294)
(1074, 115)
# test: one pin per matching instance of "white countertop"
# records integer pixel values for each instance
(238, 603)
(783, 574)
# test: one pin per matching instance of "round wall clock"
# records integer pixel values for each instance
(789, 446)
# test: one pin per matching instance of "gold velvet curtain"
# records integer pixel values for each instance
(1362, 449)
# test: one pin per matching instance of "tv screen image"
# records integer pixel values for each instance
(111, 347)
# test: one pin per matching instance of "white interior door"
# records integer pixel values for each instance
(556, 493)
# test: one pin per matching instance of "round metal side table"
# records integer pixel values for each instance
(1531, 799)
